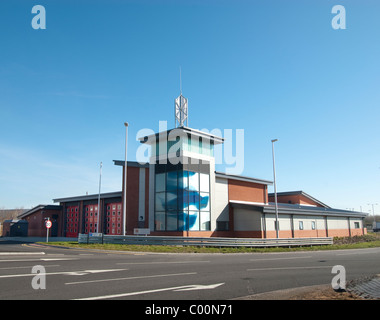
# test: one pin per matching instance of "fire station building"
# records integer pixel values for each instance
(179, 193)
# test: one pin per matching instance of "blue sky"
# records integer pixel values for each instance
(276, 69)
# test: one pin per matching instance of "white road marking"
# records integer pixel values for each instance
(132, 278)
(191, 286)
(362, 251)
(71, 273)
(30, 267)
(289, 268)
(201, 287)
(163, 262)
(40, 259)
(20, 253)
(287, 258)
(58, 259)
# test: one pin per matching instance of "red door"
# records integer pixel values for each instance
(72, 221)
(91, 218)
(113, 219)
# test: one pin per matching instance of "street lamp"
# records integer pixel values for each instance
(125, 180)
(274, 183)
(373, 209)
(100, 183)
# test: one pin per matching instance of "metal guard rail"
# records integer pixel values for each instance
(204, 242)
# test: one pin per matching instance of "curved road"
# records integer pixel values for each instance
(91, 274)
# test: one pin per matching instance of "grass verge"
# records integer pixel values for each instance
(357, 242)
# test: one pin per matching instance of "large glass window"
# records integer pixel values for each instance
(172, 221)
(160, 182)
(182, 200)
(160, 201)
(160, 220)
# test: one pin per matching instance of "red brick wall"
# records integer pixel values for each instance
(133, 178)
(36, 222)
(246, 191)
(294, 199)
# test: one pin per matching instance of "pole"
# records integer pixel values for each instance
(100, 183)
(47, 231)
(274, 183)
(373, 210)
(125, 181)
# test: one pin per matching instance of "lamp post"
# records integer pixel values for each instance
(373, 210)
(275, 190)
(100, 183)
(125, 181)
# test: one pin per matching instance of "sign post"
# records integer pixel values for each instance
(48, 225)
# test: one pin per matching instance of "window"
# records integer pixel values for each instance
(182, 200)
(357, 225)
(301, 225)
(313, 225)
(160, 182)
(160, 221)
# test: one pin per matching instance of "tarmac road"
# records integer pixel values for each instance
(100, 275)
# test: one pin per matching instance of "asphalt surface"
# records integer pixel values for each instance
(99, 275)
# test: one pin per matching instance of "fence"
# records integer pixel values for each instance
(204, 242)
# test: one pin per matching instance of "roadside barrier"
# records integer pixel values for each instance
(204, 242)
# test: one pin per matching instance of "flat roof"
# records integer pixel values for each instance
(134, 164)
(242, 178)
(90, 197)
(182, 130)
(37, 208)
(284, 208)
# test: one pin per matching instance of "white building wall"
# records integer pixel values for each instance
(337, 223)
(221, 212)
(308, 221)
(151, 196)
(284, 222)
(141, 195)
(352, 223)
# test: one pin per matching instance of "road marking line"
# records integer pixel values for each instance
(288, 258)
(132, 278)
(58, 259)
(30, 267)
(190, 287)
(70, 273)
(20, 253)
(367, 251)
(40, 259)
(162, 262)
(289, 268)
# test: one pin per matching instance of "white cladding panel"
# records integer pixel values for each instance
(221, 200)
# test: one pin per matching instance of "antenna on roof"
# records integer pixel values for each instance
(180, 106)
(180, 80)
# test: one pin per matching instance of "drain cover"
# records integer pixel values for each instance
(369, 289)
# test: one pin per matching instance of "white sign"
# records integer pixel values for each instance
(48, 224)
(141, 231)
(96, 234)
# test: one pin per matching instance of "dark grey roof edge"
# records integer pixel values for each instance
(299, 209)
(187, 130)
(291, 193)
(134, 164)
(90, 197)
(39, 207)
(242, 178)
